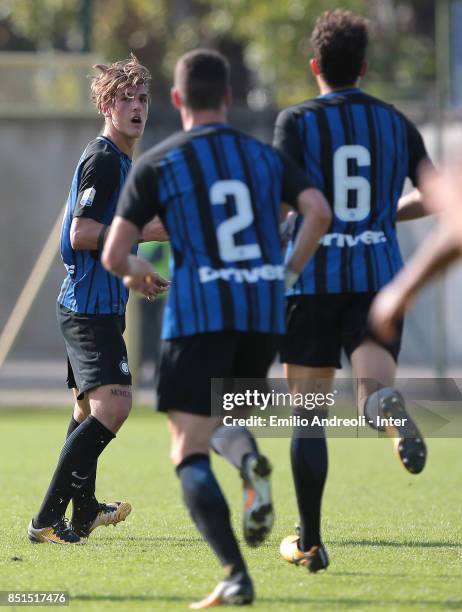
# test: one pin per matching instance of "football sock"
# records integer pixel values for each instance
(73, 424)
(309, 469)
(372, 410)
(233, 443)
(76, 461)
(84, 503)
(209, 510)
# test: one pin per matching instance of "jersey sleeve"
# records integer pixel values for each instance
(287, 138)
(100, 177)
(417, 152)
(294, 181)
(139, 200)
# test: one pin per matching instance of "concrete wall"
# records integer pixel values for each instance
(37, 160)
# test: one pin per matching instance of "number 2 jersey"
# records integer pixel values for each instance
(358, 151)
(218, 192)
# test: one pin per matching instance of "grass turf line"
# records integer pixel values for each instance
(395, 540)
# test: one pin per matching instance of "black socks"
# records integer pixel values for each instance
(76, 462)
(84, 503)
(209, 510)
(73, 424)
(309, 469)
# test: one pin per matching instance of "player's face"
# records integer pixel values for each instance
(130, 111)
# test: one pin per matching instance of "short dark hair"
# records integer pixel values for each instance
(202, 78)
(339, 42)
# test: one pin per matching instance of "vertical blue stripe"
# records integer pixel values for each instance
(312, 150)
(179, 237)
(185, 207)
(334, 255)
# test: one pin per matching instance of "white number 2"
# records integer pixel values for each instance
(229, 250)
(343, 183)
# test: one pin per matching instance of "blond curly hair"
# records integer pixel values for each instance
(116, 77)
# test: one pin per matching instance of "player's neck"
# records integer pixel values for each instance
(325, 88)
(192, 119)
(122, 142)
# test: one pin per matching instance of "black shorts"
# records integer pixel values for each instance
(320, 326)
(96, 350)
(187, 364)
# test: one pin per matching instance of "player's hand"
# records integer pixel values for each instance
(154, 230)
(386, 311)
(143, 278)
(290, 277)
(151, 286)
(286, 228)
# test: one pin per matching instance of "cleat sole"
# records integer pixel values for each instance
(258, 508)
(409, 445)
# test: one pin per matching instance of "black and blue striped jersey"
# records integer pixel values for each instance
(98, 179)
(218, 192)
(358, 151)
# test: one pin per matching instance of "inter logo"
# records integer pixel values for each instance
(123, 365)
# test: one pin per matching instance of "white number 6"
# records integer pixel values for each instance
(343, 183)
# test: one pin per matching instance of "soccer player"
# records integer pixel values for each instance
(218, 193)
(358, 150)
(442, 193)
(91, 307)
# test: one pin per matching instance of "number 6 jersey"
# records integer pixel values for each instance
(358, 151)
(218, 192)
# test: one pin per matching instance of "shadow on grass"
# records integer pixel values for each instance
(141, 540)
(182, 541)
(350, 603)
(400, 575)
(395, 544)
(116, 598)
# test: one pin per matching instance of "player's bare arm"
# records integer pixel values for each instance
(411, 206)
(88, 234)
(138, 274)
(85, 233)
(154, 230)
(443, 192)
(316, 219)
(438, 251)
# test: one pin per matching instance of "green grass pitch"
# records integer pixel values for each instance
(395, 540)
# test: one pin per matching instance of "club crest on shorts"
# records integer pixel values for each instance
(123, 365)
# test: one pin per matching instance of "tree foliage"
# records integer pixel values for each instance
(267, 42)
